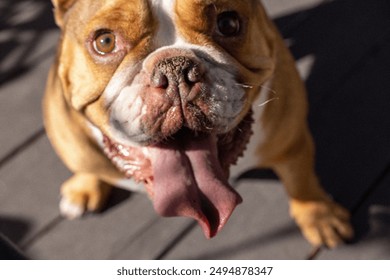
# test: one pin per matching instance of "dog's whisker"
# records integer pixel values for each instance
(248, 85)
(268, 101)
(269, 89)
(244, 85)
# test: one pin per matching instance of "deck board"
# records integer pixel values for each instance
(256, 230)
(29, 191)
(373, 218)
(27, 44)
(130, 230)
(20, 108)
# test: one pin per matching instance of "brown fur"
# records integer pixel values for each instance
(76, 83)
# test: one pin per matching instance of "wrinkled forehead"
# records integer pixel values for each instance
(168, 12)
(133, 14)
(170, 7)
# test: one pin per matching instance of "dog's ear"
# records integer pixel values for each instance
(60, 9)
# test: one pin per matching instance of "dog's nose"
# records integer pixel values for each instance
(172, 73)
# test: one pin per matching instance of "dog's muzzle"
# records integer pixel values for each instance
(177, 97)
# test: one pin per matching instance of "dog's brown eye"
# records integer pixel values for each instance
(229, 24)
(105, 42)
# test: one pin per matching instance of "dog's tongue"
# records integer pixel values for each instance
(188, 181)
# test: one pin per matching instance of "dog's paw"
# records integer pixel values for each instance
(82, 193)
(322, 222)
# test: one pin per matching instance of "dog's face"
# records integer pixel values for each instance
(143, 70)
(176, 79)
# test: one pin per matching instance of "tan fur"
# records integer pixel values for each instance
(76, 83)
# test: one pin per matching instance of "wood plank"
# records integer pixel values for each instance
(20, 108)
(260, 228)
(26, 50)
(129, 230)
(29, 191)
(373, 223)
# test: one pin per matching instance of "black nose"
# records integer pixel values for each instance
(171, 72)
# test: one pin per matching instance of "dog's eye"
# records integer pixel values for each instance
(104, 42)
(229, 24)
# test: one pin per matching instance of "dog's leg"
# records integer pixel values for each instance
(322, 221)
(288, 148)
(89, 188)
(81, 193)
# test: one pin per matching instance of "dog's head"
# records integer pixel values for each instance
(170, 75)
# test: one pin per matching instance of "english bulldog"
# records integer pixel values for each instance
(160, 95)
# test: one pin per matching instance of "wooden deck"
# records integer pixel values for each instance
(342, 49)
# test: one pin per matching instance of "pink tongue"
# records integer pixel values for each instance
(189, 181)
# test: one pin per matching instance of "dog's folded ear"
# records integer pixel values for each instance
(60, 9)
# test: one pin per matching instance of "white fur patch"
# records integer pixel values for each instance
(118, 81)
(167, 33)
(127, 111)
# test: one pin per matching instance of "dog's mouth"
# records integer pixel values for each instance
(187, 175)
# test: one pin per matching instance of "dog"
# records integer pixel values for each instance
(158, 95)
